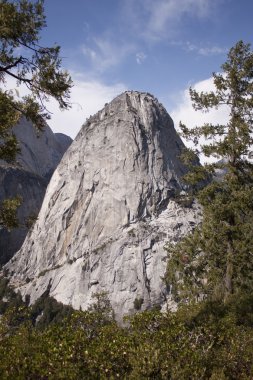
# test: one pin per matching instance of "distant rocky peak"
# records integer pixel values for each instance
(41, 151)
(40, 154)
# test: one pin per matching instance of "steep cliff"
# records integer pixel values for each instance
(40, 154)
(109, 211)
(31, 187)
(41, 151)
(64, 141)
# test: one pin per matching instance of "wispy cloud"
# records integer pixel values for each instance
(139, 24)
(105, 53)
(205, 51)
(165, 11)
(140, 57)
(157, 19)
(213, 50)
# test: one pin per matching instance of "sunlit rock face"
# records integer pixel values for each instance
(40, 153)
(109, 211)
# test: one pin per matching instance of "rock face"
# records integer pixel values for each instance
(40, 154)
(31, 188)
(41, 151)
(64, 141)
(109, 211)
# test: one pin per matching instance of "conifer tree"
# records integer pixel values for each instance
(23, 59)
(27, 62)
(217, 259)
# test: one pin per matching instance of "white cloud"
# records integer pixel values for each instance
(140, 57)
(87, 97)
(105, 53)
(185, 113)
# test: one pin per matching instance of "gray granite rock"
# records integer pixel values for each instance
(109, 211)
(40, 154)
(41, 151)
(31, 187)
(64, 141)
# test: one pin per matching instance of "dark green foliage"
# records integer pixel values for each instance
(30, 221)
(216, 260)
(8, 298)
(8, 212)
(36, 67)
(205, 341)
(47, 310)
(209, 340)
(23, 59)
(43, 312)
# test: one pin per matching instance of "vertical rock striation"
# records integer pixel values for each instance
(109, 211)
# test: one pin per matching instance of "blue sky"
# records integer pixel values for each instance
(158, 46)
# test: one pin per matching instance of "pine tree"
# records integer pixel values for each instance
(30, 64)
(217, 259)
